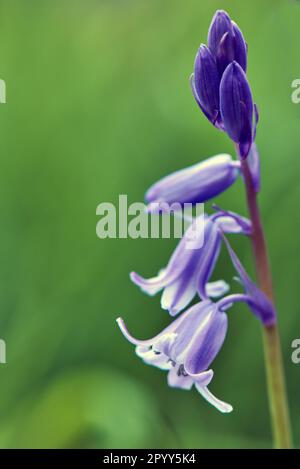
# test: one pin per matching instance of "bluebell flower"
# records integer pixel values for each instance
(188, 346)
(197, 183)
(192, 263)
(237, 108)
(186, 349)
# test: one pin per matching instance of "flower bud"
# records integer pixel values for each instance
(197, 183)
(226, 42)
(237, 108)
(205, 84)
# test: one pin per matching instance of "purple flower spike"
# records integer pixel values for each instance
(205, 84)
(258, 302)
(186, 348)
(196, 184)
(226, 42)
(237, 108)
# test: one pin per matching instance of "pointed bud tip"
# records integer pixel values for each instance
(235, 66)
(236, 71)
(203, 50)
(221, 13)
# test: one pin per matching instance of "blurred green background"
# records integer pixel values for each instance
(98, 104)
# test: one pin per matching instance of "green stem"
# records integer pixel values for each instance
(273, 356)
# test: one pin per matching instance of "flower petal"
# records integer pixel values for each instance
(203, 378)
(179, 380)
(259, 304)
(209, 257)
(213, 400)
(231, 222)
(217, 289)
(192, 322)
(164, 343)
(143, 343)
(206, 343)
(157, 359)
(153, 285)
(179, 294)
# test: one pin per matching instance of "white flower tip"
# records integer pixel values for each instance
(149, 286)
(120, 323)
(226, 409)
(166, 305)
(133, 276)
(173, 311)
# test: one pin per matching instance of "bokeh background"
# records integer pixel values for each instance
(98, 104)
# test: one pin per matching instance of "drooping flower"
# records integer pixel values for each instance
(192, 263)
(186, 348)
(237, 108)
(197, 183)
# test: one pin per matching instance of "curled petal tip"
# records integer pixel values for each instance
(223, 407)
(125, 332)
(133, 276)
(150, 286)
(129, 337)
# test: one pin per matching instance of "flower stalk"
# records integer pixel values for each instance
(278, 402)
